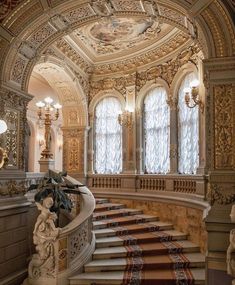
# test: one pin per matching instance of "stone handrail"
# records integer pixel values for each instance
(62, 252)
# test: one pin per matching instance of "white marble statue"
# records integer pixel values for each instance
(231, 248)
(44, 236)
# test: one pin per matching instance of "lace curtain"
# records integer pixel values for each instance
(108, 137)
(156, 129)
(188, 132)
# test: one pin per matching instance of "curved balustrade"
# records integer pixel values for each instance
(70, 247)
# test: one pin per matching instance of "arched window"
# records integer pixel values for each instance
(108, 137)
(156, 131)
(188, 134)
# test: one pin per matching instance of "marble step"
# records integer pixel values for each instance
(135, 228)
(153, 277)
(160, 236)
(115, 222)
(108, 206)
(187, 260)
(159, 248)
(101, 200)
(115, 213)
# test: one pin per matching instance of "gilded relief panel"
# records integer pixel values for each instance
(12, 136)
(73, 150)
(224, 130)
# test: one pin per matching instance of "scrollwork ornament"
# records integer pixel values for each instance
(214, 194)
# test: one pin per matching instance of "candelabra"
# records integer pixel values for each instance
(192, 96)
(49, 114)
(126, 119)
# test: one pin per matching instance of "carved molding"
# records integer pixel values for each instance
(224, 132)
(215, 194)
(14, 107)
(167, 70)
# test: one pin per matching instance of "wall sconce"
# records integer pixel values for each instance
(192, 96)
(126, 119)
(3, 153)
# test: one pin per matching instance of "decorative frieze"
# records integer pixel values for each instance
(18, 70)
(73, 55)
(167, 70)
(224, 127)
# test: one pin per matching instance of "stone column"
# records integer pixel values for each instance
(220, 161)
(173, 104)
(139, 142)
(129, 134)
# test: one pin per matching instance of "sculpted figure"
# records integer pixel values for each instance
(44, 235)
(231, 248)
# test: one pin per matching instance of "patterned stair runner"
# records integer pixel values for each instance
(137, 249)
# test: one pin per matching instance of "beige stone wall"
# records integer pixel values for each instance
(14, 242)
(187, 220)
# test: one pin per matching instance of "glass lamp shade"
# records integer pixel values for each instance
(3, 126)
(48, 100)
(187, 90)
(40, 104)
(194, 83)
(57, 106)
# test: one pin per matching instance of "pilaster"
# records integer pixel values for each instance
(220, 159)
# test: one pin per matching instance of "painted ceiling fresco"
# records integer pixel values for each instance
(113, 34)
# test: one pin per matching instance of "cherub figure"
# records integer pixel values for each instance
(231, 248)
(44, 235)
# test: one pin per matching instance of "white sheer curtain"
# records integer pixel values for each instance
(188, 132)
(108, 137)
(156, 129)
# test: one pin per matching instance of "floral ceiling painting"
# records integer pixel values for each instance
(117, 34)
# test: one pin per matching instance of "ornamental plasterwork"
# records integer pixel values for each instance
(144, 58)
(78, 241)
(13, 110)
(168, 69)
(216, 194)
(7, 6)
(116, 34)
(224, 127)
(73, 55)
(73, 149)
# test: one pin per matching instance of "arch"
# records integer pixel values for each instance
(208, 19)
(70, 82)
(178, 78)
(107, 93)
(147, 88)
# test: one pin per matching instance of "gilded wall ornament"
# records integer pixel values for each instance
(73, 151)
(215, 194)
(224, 128)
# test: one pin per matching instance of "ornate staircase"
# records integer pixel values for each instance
(137, 249)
